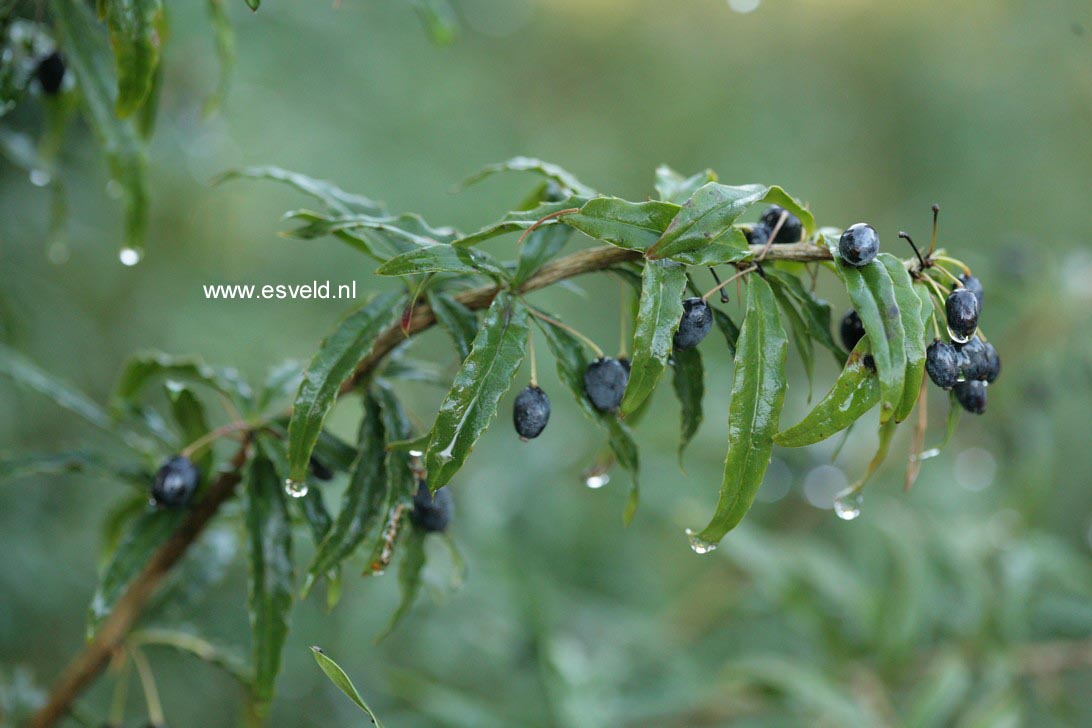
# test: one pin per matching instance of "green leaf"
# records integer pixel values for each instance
(521, 220)
(443, 259)
(145, 117)
(336, 199)
(338, 677)
(910, 309)
(88, 56)
(689, 388)
(146, 534)
(226, 658)
(189, 415)
(527, 164)
(483, 379)
(439, 20)
(657, 319)
(142, 368)
(224, 42)
(539, 248)
(800, 336)
(364, 504)
(673, 187)
(814, 311)
(854, 392)
(410, 570)
(269, 531)
(282, 380)
(702, 232)
(30, 376)
(136, 29)
(820, 697)
(398, 233)
(757, 396)
(873, 295)
(75, 461)
(253, 4)
(461, 323)
(334, 362)
(630, 225)
(402, 483)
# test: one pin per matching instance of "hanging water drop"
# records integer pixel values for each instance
(130, 256)
(847, 504)
(295, 488)
(597, 480)
(960, 339)
(699, 545)
(40, 177)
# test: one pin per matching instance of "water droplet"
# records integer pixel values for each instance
(847, 504)
(130, 256)
(597, 481)
(698, 545)
(295, 488)
(959, 339)
(415, 453)
(40, 177)
(926, 454)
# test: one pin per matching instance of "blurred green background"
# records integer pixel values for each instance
(966, 601)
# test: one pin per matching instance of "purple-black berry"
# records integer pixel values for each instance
(531, 412)
(942, 364)
(973, 361)
(695, 324)
(792, 230)
(972, 284)
(50, 73)
(757, 235)
(859, 244)
(851, 329)
(431, 511)
(961, 310)
(605, 382)
(972, 396)
(993, 363)
(175, 482)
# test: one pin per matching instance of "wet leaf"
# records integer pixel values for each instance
(799, 330)
(689, 389)
(338, 677)
(673, 187)
(336, 199)
(75, 461)
(141, 369)
(410, 569)
(518, 220)
(443, 259)
(538, 248)
(913, 324)
(461, 323)
(630, 225)
(658, 317)
(224, 42)
(136, 30)
(226, 658)
(814, 311)
(567, 180)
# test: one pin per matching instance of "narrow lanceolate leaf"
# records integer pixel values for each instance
(141, 369)
(630, 225)
(136, 27)
(269, 532)
(189, 416)
(538, 248)
(910, 309)
(485, 376)
(873, 295)
(224, 657)
(854, 392)
(88, 55)
(799, 330)
(146, 534)
(657, 319)
(402, 484)
(442, 259)
(518, 220)
(76, 461)
(224, 43)
(329, 194)
(689, 384)
(757, 396)
(332, 364)
(410, 569)
(338, 677)
(673, 187)
(364, 503)
(814, 311)
(702, 232)
(461, 323)
(29, 375)
(402, 233)
(527, 164)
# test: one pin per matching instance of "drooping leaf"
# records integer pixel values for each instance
(334, 362)
(657, 319)
(518, 220)
(461, 323)
(689, 382)
(702, 232)
(226, 658)
(483, 379)
(136, 29)
(329, 194)
(814, 311)
(224, 43)
(145, 117)
(75, 461)
(402, 484)
(410, 570)
(189, 415)
(538, 248)
(443, 259)
(144, 367)
(527, 164)
(821, 698)
(630, 225)
(88, 55)
(340, 680)
(798, 329)
(673, 187)
(873, 295)
(856, 391)
(269, 532)
(146, 534)
(887, 431)
(398, 233)
(757, 396)
(910, 310)
(30, 376)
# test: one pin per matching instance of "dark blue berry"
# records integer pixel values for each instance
(605, 382)
(942, 364)
(972, 284)
(757, 235)
(972, 396)
(859, 244)
(431, 512)
(973, 361)
(319, 469)
(993, 363)
(791, 230)
(175, 482)
(531, 412)
(852, 329)
(50, 73)
(695, 325)
(961, 310)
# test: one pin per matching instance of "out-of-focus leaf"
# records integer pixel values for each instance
(88, 55)
(224, 42)
(396, 428)
(438, 18)
(483, 379)
(657, 319)
(854, 392)
(940, 692)
(75, 461)
(814, 311)
(142, 368)
(146, 534)
(399, 234)
(537, 166)
(336, 199)
(226, 658)
(410, 570)
(338, 677)
(334, 362)
(269, 532)
(630, 225)
(820, 698)
(673, 187)
(538, 248)
(282, 380)
(461, 323)
(189, 415)
(443, 259)
(689, 381)
(799, 330)
(873, 295)
(136, 30)
(521, 220)
(910, 310)
(757, 396)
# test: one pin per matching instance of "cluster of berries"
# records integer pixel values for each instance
(968, 364)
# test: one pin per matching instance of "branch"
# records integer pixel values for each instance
(89, 663)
